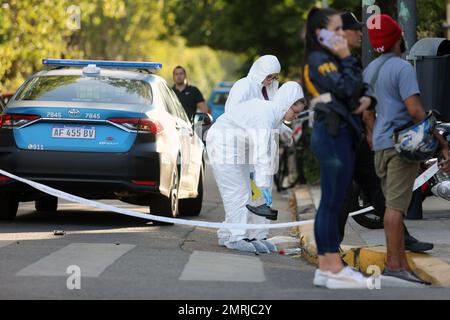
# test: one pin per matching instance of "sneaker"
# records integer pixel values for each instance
(320, 278)
(414, 245)
(272, 247)
(259, 246)
(241, 245)
(222, 242)
(401, 278)
(346, 279)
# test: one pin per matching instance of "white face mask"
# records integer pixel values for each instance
(287, 95)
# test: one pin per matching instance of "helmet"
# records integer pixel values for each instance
(442, 190)
(416, 142)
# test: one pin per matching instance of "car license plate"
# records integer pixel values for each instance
(71, 132)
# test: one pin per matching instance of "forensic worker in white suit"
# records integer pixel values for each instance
(241, 140)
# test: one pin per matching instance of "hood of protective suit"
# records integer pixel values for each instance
(264, 66)
(286, 96)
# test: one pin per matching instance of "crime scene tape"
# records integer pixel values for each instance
(193, 223)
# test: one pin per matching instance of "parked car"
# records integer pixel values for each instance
(101, 130)
(218, 98)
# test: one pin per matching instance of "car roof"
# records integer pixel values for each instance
(104, 72)
(221, 90)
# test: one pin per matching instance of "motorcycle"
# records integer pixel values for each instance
(290, 170)
(438, 185)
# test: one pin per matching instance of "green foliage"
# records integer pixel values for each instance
(32, 30)
(252, 27)
(28, 33)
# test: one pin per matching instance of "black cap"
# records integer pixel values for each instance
(351, 22)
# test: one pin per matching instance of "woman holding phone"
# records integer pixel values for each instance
(333, 78)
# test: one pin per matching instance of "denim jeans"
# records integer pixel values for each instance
(336, 157)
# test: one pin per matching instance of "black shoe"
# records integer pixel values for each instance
(414, 245)
(402, 276)
(264, 211)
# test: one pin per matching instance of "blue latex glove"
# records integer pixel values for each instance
(267, 196)
(252, 176)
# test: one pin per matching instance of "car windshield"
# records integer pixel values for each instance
(220, 98)
(86, 89)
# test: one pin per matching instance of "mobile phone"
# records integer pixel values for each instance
(325, 38)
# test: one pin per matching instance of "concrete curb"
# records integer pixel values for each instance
(429, 268)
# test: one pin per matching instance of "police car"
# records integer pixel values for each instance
(218, 98)
(101, 130)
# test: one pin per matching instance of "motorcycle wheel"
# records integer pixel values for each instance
(367, 220)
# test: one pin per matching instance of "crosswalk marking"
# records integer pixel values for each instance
(211, 266)
(92, 258)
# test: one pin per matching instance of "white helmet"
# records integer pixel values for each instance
(442, 190)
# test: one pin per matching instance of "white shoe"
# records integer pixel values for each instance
(346, 279)
(222, 242)
(259, 246)
(272, 247)
(320, 278)
(241, 245)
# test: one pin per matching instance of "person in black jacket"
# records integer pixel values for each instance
(333, 78)
(364, 174)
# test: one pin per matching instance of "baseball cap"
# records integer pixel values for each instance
(351, 22)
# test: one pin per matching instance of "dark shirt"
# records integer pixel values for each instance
(189, 99)
(324, 73)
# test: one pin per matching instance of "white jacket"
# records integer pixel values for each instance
(253, 121)
(251, 86)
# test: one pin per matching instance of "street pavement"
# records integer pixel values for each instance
(119, 257)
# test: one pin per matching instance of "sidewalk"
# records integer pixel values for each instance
(363, 247)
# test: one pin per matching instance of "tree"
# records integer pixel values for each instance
(252, 27)
(30, 31)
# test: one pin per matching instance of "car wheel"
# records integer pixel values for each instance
(193, 207)
(10, 205)
(166, 207)
(47, 204)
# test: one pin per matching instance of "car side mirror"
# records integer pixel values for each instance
(203, 119)
(202, 122)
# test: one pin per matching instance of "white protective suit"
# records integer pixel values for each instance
(251, 86)
(241, 139)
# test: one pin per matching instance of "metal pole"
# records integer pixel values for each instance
(367, 51)
(407, 16)
(448, 19)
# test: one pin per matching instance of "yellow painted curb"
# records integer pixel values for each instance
(426, 266)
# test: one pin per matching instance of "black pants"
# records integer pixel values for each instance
(367, 179)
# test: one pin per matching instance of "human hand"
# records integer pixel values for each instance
(340, 47)
(364, 105)
(267, 196)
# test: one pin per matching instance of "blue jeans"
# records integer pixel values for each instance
(336, 156)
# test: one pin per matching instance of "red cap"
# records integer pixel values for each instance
(383, 39)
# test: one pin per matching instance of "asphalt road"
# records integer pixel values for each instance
(105, 255)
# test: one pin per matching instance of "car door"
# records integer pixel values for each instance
(185, 133)
(196, 149)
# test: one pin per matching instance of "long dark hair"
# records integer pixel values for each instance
(317, 19)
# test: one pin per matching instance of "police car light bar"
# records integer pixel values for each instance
(102, 63)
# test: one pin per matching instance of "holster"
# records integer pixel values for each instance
(332, 119)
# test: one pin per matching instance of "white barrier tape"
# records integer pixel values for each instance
(203, 224)
(427, 175)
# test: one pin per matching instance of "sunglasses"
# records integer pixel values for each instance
(272, 77)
